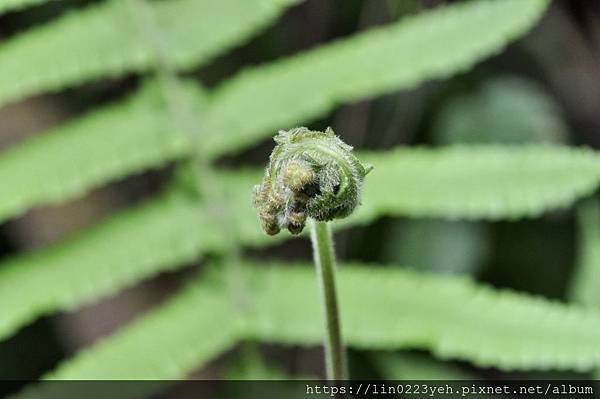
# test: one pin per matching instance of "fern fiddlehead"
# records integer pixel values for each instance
(314, 175)
(310, 174)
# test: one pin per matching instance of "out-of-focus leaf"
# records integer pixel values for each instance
(160, 235)
(391, 308)
(381, 308)
(471, 182)
(478, 182)
(250, 365)
(430, 45)
(65, 163)
(15, 5)
(287, 91)
(104, 40)
(192, 328)
(502, 110)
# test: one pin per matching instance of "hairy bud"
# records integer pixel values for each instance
(310, 174)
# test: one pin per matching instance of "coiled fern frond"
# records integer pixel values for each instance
(310, 174)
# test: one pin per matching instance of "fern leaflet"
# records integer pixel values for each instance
(16, 5)
(461, 182)
(452, 317)
(476, 182)
(197, 337)
(157, 236)
(479, 182)
(451, 182)
(223, 133)
(65, 163)
(100, 41)
(431, 45)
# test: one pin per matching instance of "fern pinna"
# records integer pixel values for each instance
(171, 118)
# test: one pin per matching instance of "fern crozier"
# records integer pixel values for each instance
(310, 174)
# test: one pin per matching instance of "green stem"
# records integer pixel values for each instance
(335, 353)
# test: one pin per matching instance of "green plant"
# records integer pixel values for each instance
(171, 118)
(324, 255)
(313, 174)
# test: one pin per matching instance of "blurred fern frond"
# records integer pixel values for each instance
(452, 317)
(287, 91)
(461, 182)
(177, 348)
(119, 140)
(17, 5)
(102, 41)
(479, 182)
(162, 234)
(383, 308)
(173, 229)
(432, 45)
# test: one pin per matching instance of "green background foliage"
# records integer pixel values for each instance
(495, 150)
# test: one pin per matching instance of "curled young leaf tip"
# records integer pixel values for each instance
(310, 174)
